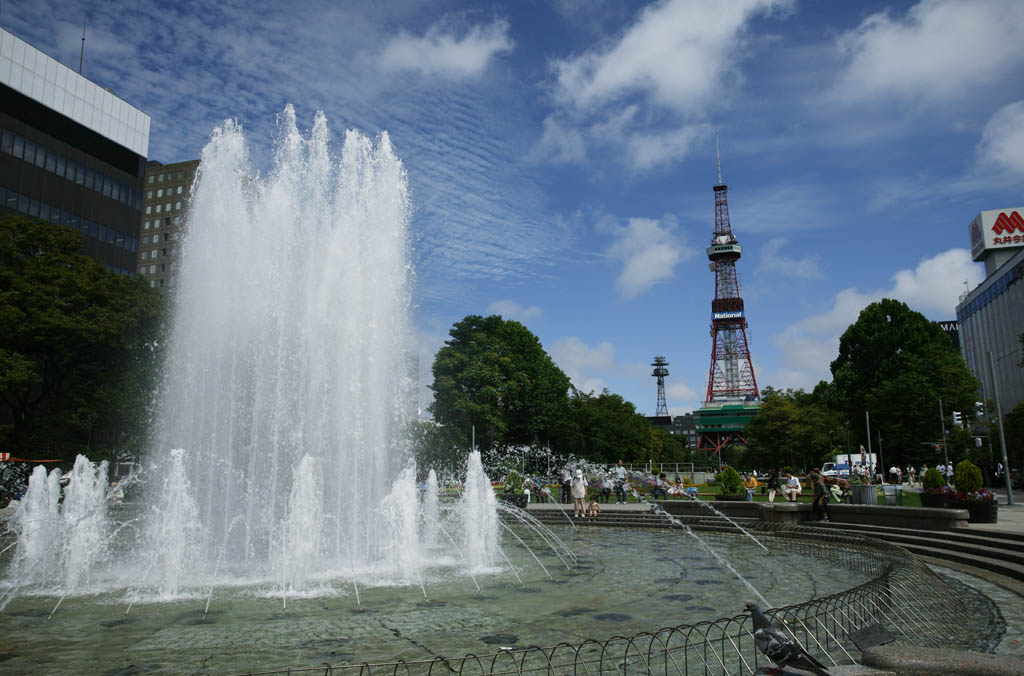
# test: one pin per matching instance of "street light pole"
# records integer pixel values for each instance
(942, 427)
(1002, 438)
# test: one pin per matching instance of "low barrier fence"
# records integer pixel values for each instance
(904, 602)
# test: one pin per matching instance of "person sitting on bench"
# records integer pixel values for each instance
(791, 491)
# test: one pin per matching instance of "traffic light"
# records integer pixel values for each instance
(979, 410)
(977, 441)
(958, 419)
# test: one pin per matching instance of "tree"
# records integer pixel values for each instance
(605, 428)
(1013, 429)
(792, 429)
(77, 346)
(896, 365)
(494, 374)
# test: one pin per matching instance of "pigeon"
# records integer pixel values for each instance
(779, 647)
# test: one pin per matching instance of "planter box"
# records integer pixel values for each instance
(933, 500)
(981, 512)
(863, 495)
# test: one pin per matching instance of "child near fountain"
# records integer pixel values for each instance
(593, 509)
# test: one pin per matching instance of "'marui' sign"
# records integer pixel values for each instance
(996, 229)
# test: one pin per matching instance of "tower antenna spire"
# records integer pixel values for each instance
(81, 55)
(718, 160)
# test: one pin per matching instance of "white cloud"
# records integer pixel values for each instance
(810, 345)
(772, 262)
(509, 309)
(677, 52)
(587, 367)
(939, 50)
(649, 250)
(1002, 141)
(648, 150)
(559, 143)
(441, 52)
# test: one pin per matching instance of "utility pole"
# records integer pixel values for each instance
(867, 420)
(81, 55)
(1002, 438)
(942, 427)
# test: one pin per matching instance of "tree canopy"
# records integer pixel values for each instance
(605, 428)
(493, 374)
(897, 365)
(77, 346)
(792, 429)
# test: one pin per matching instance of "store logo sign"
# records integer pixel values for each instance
(1009, 223)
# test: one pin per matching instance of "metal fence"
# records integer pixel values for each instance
(903, 602)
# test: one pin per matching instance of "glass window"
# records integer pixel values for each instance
(79, 174)
(115, 191)
(111, 235)
(179, 189)
(145, 239)
(156, 238)
(51, 162)
(163, 252)
(40, 157)
(152, 269)
(145, 255)
(134, 243)
(62, 164)
(19, 147)
(54, 215)
(90, 178)
(23, 203)
(30, 151)
(149, 209)
(152, 283)
(7, 141)
(149, 194)
(160, 178)
(102, 235)
(76, 222)
(108, 186)
(150, 179)
(160, 192)
(159, 207)
(177, 205)
(163, 268)
(33, 208)
(12, 200)
(167, 221)
(119, 239)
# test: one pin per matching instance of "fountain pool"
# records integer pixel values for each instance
(624, 582)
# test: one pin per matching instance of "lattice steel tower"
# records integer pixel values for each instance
(731, 378)
(660, 371)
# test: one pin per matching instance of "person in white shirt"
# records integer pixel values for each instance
(791, 491)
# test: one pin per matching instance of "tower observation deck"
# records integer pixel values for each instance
(732, 397)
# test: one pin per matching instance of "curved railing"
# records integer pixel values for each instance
(903, 602)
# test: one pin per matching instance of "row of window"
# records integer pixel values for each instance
(55, 163)
(1015, 274)
(160, 192)
(170, 177)
(36, 209)
(163, 207)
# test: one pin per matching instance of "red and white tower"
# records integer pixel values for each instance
(732, 398)
(731, 378)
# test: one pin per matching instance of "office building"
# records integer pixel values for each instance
(71, 152)
(164, 204)
(991, 316)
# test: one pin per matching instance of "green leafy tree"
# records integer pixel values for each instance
(791, 428)
(78, 346)
(732, 483)
(494, 374)
(1013, 429)
(606, 428)
(895, 363)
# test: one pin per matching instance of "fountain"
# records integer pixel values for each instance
(282, 521)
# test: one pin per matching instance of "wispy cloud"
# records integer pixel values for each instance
(444, 51)
(932, 52)
(772, 262)
(1002, 141)
(509, 309)
(587, 367)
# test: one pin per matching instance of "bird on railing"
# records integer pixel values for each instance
(779, 647)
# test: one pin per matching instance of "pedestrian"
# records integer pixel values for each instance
(620, 484)
(821, 498)
(773, 484)
(750, 483)
(910, 475)
(565, 493)
(606, 487)
(579, 493)
(593, 510)
(792, 489)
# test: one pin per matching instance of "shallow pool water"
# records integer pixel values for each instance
(624, 582)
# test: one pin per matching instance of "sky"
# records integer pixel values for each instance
(561, 153)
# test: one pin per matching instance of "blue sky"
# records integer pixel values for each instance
(560, 153)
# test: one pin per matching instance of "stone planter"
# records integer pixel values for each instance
(981, 512)
(933, 499)
(515, 500)
(863, 495)
(736, 497)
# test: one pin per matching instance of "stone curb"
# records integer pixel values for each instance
(923, 661)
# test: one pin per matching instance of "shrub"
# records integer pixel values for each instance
(732, 484)
(933, 480)
(967, 477)
(513, 483)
